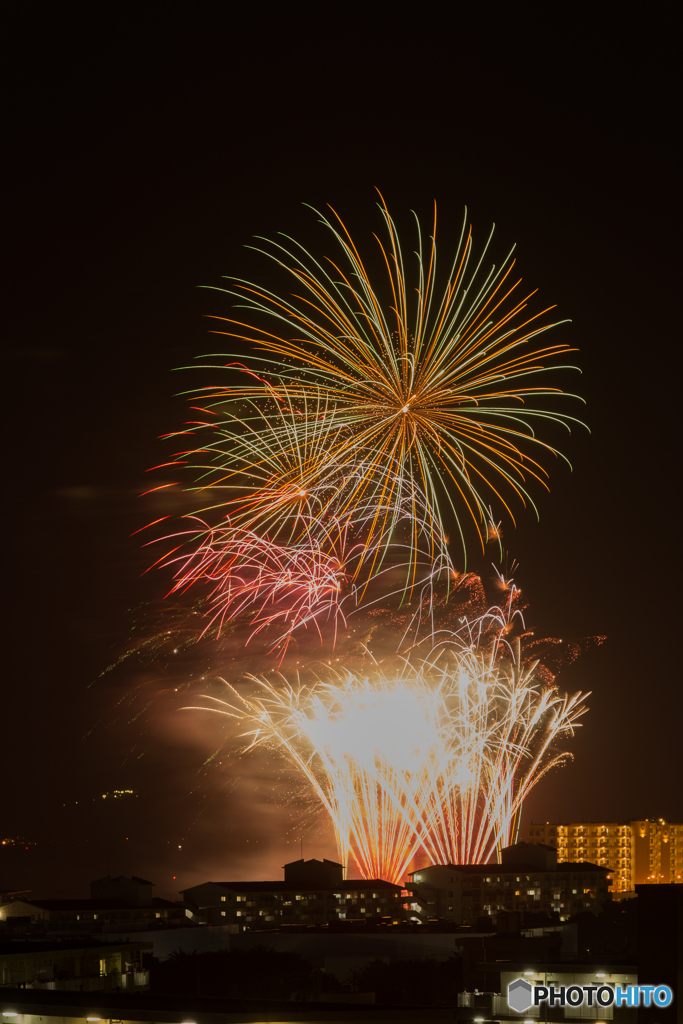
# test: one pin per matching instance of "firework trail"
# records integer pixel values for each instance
(293, 584)
(434, 759)
(284, 542)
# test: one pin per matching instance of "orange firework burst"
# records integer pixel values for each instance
(434, 760)
(430, 388)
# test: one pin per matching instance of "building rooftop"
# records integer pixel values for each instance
(565, 867)
(343, 886)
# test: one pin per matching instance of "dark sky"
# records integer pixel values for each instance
(148, 144)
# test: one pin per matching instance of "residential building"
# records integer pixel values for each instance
(115, 904)
(61, 966)
(640, 852)
(313, 893)
(528, 879)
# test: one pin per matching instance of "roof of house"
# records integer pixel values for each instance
(564, 867)
(313, 886)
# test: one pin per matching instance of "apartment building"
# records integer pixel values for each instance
(528, 879)
(639, 852)
(115, 904)
(313, 893)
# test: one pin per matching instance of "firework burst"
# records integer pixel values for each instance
(374, 411)
(434, 759)
(430, 386)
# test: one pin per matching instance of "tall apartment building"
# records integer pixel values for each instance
(648, 850)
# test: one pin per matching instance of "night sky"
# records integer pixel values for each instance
(148, 144)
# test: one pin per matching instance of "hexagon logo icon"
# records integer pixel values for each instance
(519, 995)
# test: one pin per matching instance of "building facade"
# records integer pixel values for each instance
(640, 852)
(62, 967)
(115, 903)
(91, 915)
(528, 879)
(313, 893)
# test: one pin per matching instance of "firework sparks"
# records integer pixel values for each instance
(328, 468)
(289, 584)
(363, 413)
(286, 539)
(435, 759)
(436, 392)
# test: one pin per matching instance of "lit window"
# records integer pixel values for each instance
(223, 913)
(223, 899)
